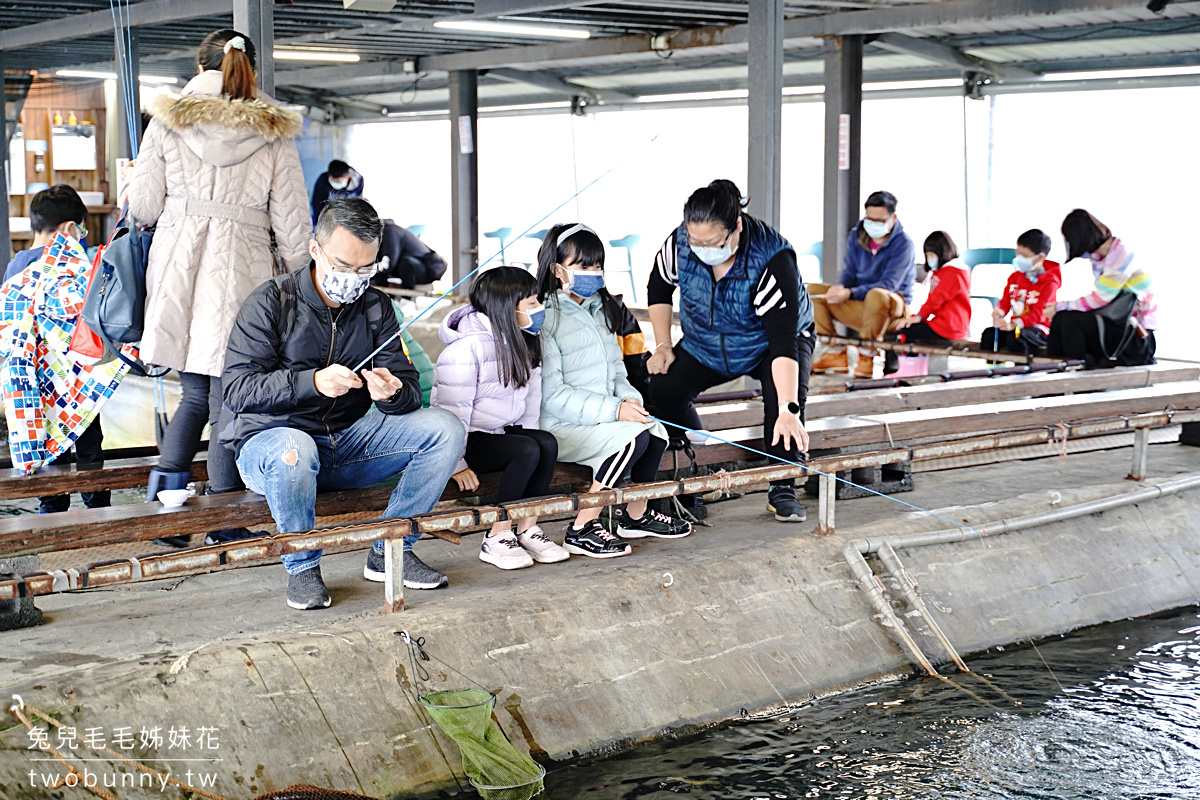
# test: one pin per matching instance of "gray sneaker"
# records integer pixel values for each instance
(306, 590)
(417, 574)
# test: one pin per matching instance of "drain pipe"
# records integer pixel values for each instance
(855, 550)
(874, 589)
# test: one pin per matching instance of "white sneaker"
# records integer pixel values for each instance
(541, 547)
(504, 552)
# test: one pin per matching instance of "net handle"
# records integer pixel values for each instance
(420, 676)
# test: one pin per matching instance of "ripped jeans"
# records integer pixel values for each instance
(289, 467)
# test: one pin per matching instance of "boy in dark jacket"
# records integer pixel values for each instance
(873, 292)
(300, 413)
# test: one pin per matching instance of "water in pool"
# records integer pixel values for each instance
(1108, 713)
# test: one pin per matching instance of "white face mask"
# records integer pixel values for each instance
(931, 262)
(342, 287)
(876, 229)
(1025, 265)
(714, 255)
(339, 185)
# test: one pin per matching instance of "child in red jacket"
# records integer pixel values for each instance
(946, 314)
(1029, 291)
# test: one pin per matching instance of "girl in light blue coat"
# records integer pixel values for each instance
(587, 401)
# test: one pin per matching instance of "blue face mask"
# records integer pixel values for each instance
(586, 282)
(537, 317)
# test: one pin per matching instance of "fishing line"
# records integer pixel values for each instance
(824, 474)
(521, 235)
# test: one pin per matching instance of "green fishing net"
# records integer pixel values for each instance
(497, 770)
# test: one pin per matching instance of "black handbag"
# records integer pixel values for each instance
(1120, 312)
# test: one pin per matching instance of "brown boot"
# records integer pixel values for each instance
(865, 368)
(831, 361)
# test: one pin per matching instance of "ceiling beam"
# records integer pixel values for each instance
(148, 12)
(557, 83)
(939, 53)
(925, 15)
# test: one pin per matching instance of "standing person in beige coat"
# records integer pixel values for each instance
(217, 174)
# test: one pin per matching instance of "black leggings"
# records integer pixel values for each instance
(201, 403)
(1075, 334)
(1030, 342)
(527, 457)
(676, 391)
(640, 456)
(88, 451)
(923, 333)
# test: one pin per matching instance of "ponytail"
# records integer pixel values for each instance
(233, 54)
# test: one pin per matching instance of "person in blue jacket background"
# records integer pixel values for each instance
(744, 311)
(338, 182)
(873, 292)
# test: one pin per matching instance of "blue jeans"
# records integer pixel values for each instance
(289, 467)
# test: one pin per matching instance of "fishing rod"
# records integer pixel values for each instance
(869, 490)
(449, 292)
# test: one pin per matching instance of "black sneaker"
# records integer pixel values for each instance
(652, 523)
(306, 590)
(232, 535)
(782, 502)
(594, 542)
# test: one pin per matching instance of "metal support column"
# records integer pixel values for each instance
(256, 19)
(128, 59)
(464, 172)
(843, 137)
(5, 234)
(1141, 454)
(765, 64)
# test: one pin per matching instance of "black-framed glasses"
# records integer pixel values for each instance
(362, 272)
(693, 243)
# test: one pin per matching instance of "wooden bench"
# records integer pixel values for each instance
(92, 527)
(130, 468)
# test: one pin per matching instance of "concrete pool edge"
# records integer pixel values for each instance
(745, 624)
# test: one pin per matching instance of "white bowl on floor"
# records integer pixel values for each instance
(173, 498)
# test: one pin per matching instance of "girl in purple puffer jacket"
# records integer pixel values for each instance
(490, 377)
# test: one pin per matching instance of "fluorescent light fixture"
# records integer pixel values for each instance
(316, 55)
(513, 28)
(111, 76)
(1147, 72)
(726, 94)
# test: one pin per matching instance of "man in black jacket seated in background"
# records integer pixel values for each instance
(301, 421)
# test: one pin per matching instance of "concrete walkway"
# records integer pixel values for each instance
(588, 655)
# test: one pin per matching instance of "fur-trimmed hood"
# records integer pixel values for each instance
(219, 130)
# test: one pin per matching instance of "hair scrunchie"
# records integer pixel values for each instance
(236, 43)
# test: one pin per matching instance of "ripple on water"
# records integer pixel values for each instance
(1119, 719)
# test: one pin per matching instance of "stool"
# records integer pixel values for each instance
(502, 234)
(629, 242)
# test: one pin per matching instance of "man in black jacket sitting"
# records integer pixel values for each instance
(303, 417)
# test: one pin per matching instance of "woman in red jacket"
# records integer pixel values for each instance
(946, 314)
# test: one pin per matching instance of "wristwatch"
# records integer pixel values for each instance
(792, 408)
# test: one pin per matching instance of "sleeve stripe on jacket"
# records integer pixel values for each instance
(664, 262)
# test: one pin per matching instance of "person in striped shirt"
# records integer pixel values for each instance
(1099, 327)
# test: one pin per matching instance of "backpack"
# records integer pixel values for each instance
(115, 306)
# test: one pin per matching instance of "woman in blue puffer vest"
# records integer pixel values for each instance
(744, 311)
(587, 400)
